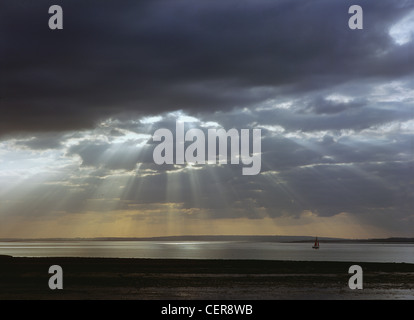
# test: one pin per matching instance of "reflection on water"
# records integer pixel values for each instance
(213, 250)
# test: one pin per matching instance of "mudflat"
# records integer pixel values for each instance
(155, 279)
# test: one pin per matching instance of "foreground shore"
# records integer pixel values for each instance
(146, 279)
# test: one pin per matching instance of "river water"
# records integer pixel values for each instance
(212, 250)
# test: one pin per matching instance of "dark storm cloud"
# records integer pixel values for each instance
(147, 57)
(41, 142)
(324, 106)
(320, 115)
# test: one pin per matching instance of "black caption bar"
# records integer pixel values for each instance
(199, 310)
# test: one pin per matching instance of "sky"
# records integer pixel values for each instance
(79, 107)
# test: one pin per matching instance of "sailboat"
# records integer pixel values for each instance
(316, 244)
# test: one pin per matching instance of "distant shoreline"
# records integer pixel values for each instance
(132, 278)
(268, 238)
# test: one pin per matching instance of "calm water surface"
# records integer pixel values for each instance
(212, 250)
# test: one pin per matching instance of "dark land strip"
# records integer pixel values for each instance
(141, 279)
